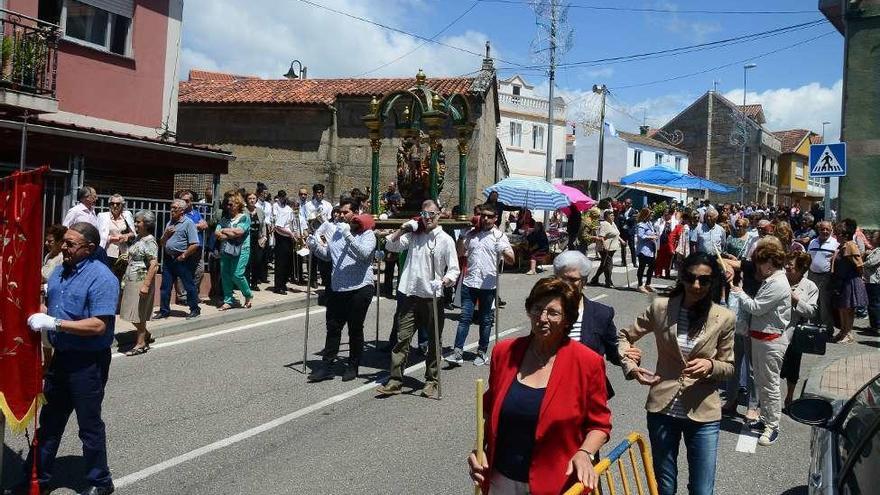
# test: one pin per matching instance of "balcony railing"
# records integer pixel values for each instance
(528, 104)
(28, 54)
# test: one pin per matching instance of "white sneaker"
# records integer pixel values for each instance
(456, 357)
(769, 436)
(482, 359)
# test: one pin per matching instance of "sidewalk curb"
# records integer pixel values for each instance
(202, 322)
(811, 386)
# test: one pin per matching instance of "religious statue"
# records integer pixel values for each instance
(414, 171)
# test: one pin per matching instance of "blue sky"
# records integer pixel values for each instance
(800, 86)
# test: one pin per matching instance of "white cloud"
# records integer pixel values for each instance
(688, 28)
(261, 37)
(603, 73)
(804, 107)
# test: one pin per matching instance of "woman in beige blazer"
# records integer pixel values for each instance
(694, 340)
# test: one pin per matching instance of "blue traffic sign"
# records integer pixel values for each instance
(828, 160)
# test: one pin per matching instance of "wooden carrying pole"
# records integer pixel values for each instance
(308, 307)
(478, 446)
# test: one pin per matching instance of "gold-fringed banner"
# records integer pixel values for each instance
(21, 248)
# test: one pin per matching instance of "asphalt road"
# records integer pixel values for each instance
(227, 410)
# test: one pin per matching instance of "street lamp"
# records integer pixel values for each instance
(292, 74)
(742, 189)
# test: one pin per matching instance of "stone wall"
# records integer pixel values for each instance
(287, 147)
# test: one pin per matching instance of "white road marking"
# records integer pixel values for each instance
(226, 442)
(748, 440)
(194, 338)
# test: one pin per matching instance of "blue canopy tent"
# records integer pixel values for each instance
(669, 177)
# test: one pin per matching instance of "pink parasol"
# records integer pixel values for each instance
(581, 200)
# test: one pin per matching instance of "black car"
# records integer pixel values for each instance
(845, 442)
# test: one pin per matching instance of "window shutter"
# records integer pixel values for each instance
(124, 8)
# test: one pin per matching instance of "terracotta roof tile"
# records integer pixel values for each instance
(792, 138)
(298, 91)
(752, 111)
(647, 141)
(205, 75)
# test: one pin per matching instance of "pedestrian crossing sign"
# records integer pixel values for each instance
(828, 160)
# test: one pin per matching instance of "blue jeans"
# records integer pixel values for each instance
(185, 271)
(701, 442)
(469, 298)
(742, 376)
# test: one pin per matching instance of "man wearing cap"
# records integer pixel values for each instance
(431, 264)
(79, 320)
(349, 248)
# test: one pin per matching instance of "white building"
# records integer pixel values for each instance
(627, 153)
(523, 128)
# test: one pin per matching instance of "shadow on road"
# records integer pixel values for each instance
(797, 490)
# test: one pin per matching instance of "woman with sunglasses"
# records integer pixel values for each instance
(117, 231)
(694, 338)
(546, 406)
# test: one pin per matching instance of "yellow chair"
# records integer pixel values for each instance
(607, 482)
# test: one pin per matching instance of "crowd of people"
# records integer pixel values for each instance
(745, 278)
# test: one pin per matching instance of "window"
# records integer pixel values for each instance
(516, 90)
(637, 158)
(537, 138)
(516, 134)
(678, 163)
(799, 170)
(565, 168)
(658, 158)
(97, 27)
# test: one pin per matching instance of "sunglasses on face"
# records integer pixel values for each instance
(487, 215)
(428, 214)
(115, 204)
(690, 278)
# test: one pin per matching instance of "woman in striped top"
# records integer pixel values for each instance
(694, 338)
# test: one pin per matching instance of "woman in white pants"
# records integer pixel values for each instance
(770, 312)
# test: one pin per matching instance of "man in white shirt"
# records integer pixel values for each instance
(318, 207)
(283, 242)
(821, 250)
(264, 202)
(482, 245)
(431, 264)
(84, 211)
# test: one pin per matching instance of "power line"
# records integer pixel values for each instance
(724, 66)
(662, 11)
(433, 38)
(694, 48)
(401, 31)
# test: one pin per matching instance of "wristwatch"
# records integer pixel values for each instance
(57, 324)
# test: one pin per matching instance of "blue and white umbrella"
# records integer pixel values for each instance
(534, 194)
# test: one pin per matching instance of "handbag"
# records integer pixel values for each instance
(810, 338)
(231, 248)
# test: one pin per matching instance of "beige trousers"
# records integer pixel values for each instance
(766, 363)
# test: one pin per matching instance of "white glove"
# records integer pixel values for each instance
(437, 286)
(410, 226)
(41, 321)
(344, 229)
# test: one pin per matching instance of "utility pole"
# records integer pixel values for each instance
(548, 168)
(602, 90)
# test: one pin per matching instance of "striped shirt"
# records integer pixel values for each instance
(686, 345)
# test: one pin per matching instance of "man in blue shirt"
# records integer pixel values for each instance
(201, 226)
(180, 242)
(81, 304)
(349, 250)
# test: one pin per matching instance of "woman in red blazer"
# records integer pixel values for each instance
(546, 407)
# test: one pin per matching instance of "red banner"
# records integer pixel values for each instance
(21, 247)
